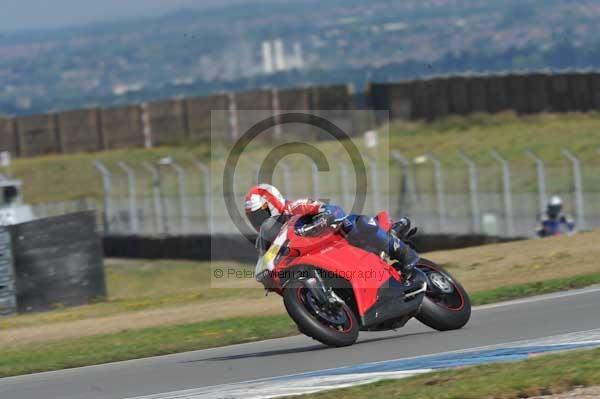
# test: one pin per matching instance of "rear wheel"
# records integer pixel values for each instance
(333, 326)
(446, 305)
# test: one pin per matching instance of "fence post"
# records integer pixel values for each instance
(159, 205)
(375, 185)
(131, 185)
(407, 177)
(206, 187)
(275, 111)
(440, 191)
(345, 183)
(473, 191)
(507, 192)
(577, 180)
(182, 188)
(106, 198)
(233, 117)
(541, 178)
(146, 126)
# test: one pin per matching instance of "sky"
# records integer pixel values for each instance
(19, 15)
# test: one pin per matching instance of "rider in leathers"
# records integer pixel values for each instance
(264, 201)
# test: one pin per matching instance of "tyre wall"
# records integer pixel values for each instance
(57, 262)
(234, 248)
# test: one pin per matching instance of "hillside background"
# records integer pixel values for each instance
(202, 51)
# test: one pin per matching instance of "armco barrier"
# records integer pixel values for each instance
(234, 248)
(57, 262)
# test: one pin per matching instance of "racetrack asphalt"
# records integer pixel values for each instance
(526, 319)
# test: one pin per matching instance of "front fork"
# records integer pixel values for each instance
(324, 296)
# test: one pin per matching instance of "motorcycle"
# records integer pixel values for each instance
(332, 290)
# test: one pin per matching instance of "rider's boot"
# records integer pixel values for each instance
(404, 254)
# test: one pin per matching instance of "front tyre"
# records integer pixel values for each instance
(333, 327)
(446, 305)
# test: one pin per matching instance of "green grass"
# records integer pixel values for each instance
(536, 288)
(537, 376)
(141, 343)
(180, 338)
(148, 279)
(135, 285)
(57, 178)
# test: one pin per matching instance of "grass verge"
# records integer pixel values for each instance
(147, 342)
(536, 288)
(72, 177)
(542, 375)
(137, 285)
(155, 341)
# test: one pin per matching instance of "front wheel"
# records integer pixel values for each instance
(331, 326)
(446, 305)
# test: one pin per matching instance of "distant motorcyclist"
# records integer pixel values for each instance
(554, 222)
(264, 201)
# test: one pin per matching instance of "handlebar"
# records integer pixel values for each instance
(317, 226)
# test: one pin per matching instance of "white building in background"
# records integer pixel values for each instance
(279, 55)
(275, 58)
(267, 57)
(298, 59)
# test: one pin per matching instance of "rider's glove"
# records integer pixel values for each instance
(402, 228)
(319, 223)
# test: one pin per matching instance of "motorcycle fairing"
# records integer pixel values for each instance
(365, 271)
(384, 221)
(396, 300)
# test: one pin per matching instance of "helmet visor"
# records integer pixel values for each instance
(554, 210)
(258, 217)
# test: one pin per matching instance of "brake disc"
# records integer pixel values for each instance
(441, 282)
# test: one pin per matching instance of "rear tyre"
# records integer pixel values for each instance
(333, 328)
(446, 305)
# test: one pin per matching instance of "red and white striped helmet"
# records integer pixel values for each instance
(262, 202)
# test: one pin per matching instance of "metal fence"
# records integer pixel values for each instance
(458, 195)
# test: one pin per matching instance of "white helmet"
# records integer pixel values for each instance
(554, 206)
(262, 202)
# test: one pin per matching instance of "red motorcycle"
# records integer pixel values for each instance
(332, 290)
